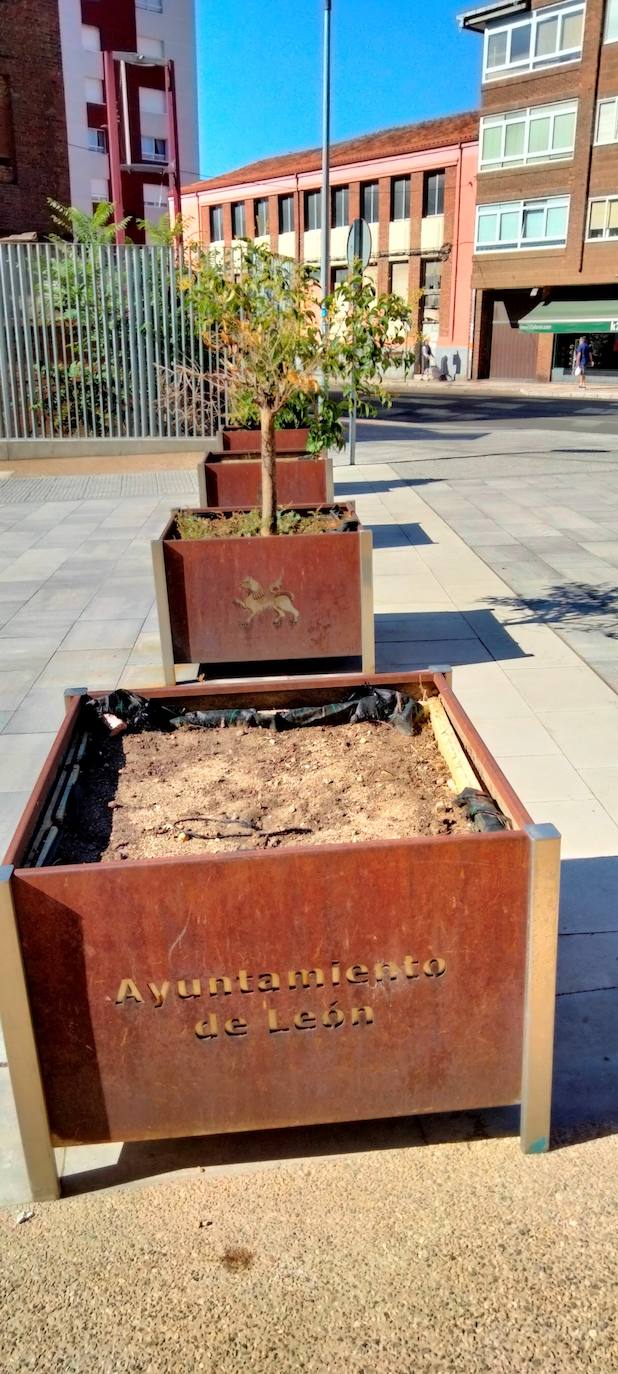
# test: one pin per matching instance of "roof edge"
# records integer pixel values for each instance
(479, 18)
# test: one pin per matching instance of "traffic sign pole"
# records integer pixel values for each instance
(358, 250)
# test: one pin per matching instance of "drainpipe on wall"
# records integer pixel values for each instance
(455, 246)
(471, 335)
(590, 135)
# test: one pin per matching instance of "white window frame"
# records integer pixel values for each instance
(344, 192)
(261, 232)
(313, 199)
(606, 142)
(97, 140)
(607, 18)
(160, 158)
(604, 238)
(520, 244)
(151, 47)
(531, 63)
(216, 210)
(155, 6)
(374, 187)
(527, 117)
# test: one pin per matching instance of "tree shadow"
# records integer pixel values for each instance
(566, 604)
(453, 637)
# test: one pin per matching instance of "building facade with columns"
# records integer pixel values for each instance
(415, 185)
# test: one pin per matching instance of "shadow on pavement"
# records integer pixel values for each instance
(468, 632)
(586, 1042)
(567, 603)
(487, 408)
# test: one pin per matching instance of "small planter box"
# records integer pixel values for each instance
(248, 440)
(289, 599)
(236, 479)
(234, 992)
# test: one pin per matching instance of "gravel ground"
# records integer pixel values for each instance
(463, 1256)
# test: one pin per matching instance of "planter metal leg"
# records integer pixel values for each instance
(201, 487)
(163, 612)
(368, 637)
(330, 485)
(540, 998)
(21, 1053)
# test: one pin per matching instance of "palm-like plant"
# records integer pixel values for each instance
(98, 227)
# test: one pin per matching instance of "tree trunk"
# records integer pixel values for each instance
(269, 473)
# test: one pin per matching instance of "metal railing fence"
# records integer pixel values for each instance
(100, 342)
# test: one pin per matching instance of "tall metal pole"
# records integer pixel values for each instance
(325, 202)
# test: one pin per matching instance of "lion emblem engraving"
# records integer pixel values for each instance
(258, 599)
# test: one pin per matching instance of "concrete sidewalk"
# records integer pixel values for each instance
(389, 1257)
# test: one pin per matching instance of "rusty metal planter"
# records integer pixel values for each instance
(235, 479)
(248, 440)
(197, 995)
(283, 600)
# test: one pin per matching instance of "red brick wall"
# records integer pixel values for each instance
(29, 29)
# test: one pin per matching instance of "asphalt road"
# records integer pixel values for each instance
(573, 412)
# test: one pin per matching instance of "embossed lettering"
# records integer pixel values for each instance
(245, 980)
(273, 1023)
(386, 970)
(304, 1020)
(269, 982)
(208, 1029)
(434, 968)
(195, 989)
(307, 977)
(236, 1026)
(226, 985)
(358, 973)
(362, 1016)
(128, 991)
(159, 994)
(411, 967)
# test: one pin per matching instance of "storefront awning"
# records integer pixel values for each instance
(572, 317)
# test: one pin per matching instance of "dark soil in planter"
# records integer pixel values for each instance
(245, 524)
(210, 791)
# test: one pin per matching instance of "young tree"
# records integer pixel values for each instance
(98, 228)
(267, 312)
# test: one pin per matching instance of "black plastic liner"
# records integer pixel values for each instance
(482, 810)
(363, 704)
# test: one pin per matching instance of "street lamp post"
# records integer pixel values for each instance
(325, 208)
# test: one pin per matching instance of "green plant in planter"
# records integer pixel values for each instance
(268, 316)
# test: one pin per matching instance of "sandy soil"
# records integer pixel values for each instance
(213, 791)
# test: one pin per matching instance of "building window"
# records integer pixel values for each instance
(216, 223)
(155, 197)
(261, 217)
(522, 224)
(313, 207)
(433, 193)
(91, 38)
(151, 47)
(97, 140)
(286, 214)
(340, 212)
(607, 121)
(370, 201)
(93, 91)
(544, 133)
(7, 142)
(338, 275)
(603, 218)
(155, 6)
(99, 190)
(545, 38)
(239, 220)
(400, 198)
(611, 22)
(432, 278)
(154, 149)
(399, 274)
(152, 101)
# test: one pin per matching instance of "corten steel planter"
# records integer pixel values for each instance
(249, 440)
(286, 599)
(235, 479)
(196, 995)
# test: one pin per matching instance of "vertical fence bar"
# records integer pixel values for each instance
(80, 377)
(11, 410)
(49, 294)
(113, 362)
(19, 341)
(147, 278)
(62, 278)
(27, 337)
(167, 300)
(32, 251)
(106, 410)
(175, 294)
(124, 376)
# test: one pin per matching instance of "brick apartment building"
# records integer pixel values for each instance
(546, 241)
(415, 186)
(54, 136)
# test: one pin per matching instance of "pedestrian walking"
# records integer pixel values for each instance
(582, 361)
(427, 358)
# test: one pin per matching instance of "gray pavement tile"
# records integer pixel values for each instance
(426, 653)
(14, 683)
(7, 610)
(588, 890)
(19, 651)
(95, 634)
(63, 598)
(21, 759)
(126, 605)
(41, 710)
(16, 593)
(89, 668)
(11, 807)
(423, 625)
(584, 1074)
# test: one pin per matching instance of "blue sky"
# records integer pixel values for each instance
(260, 72)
